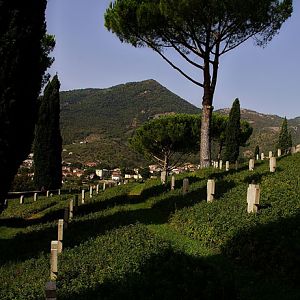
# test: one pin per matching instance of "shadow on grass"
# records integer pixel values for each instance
(168, 275)
(270, 249)
(88, 224)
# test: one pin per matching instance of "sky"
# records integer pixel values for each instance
(87, 55)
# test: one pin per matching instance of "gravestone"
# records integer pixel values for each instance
(278, 152)
(82, 196)
(262, 156)
(71, 210)
(104, 186)
(272, 164)
(53, 260)
(35, 197)
(253, 196)
(210, 190)
(251, 164)
(257, 157)
(50, 290)
(163, 177)
(47, 194)
(22, 199)
(173, 182)
(221, 164)
(185, 186)
(59, 192)
(97, 189)
(91, 191)
(227, 165)
(60, 230)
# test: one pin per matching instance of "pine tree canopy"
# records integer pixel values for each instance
(198, 31)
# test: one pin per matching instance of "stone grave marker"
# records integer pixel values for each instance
(60, 231)
(272, 164)
(221, 164)
(97, 189)
(173, 182)
(53, 260)
(262, 156)
(227, 166)
(47, 194)
(278, 152)
(251, 164)
(82, 196)
(270, 154)
(163, 177)
(185, 186)
(91, 191)
(22, 199)
(71, 210)
(35, 197)
(210, 190)
(253, 196)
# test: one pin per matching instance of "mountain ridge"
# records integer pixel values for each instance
(97, 122)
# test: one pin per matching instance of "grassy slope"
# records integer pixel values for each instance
(147, 242)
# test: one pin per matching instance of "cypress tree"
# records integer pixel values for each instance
(48, 141)
(232, 134)
(284, 138)
(22, 27)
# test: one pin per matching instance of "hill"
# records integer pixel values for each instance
(96, 123)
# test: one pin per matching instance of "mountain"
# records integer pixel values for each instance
(266, 129)
(96, 123)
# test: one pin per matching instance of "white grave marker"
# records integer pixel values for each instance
(210, 190)
(253, 196)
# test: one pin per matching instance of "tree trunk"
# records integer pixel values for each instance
(205, 144)
(164, 174)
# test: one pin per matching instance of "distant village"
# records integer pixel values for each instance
(90, 171)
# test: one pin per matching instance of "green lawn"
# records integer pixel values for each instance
(145, 241)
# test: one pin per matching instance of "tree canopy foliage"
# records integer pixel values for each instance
(167, 139)
(284, 139)
(23, 58)
(200, 32)
(233, 133)
(160, 139)
(48, 141)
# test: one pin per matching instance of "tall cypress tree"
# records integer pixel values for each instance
(233, 131)
(48, 141)
(22, 28)
(285, 138)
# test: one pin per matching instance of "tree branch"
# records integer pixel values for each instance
(171, 64)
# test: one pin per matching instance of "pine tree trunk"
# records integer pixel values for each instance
(205, 144)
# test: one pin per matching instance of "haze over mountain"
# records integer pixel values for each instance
(96, 123)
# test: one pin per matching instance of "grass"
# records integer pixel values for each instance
(145, 241)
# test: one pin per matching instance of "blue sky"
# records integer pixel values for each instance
(87, 55)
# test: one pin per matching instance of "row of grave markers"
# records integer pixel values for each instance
(83, 192)
(272, 159)
(253, 193)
